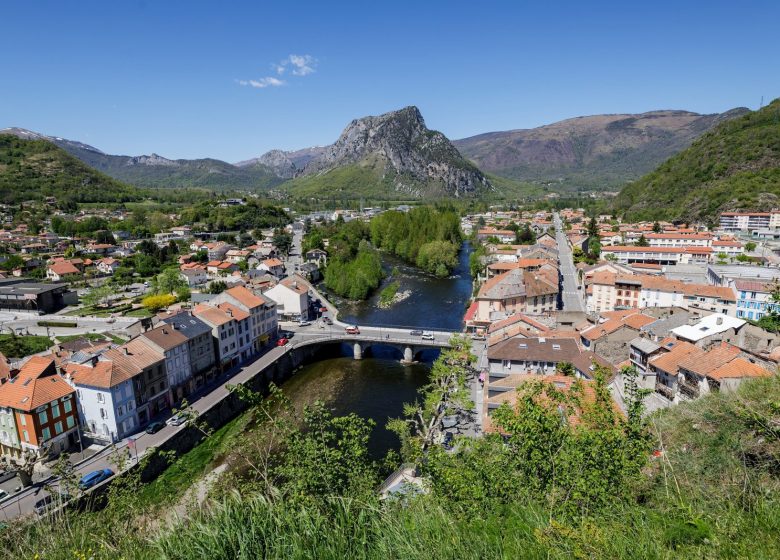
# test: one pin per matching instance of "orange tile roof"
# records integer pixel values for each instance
(272, 262)
(233, 311)
(133, 357)
(705, 362)
(246, 297)
(670, 361)
(36, 385)
(63, 268)
(738, 368)
(103, 375)
(212, 315)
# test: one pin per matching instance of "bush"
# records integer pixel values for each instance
(157, 302)
(57, 324)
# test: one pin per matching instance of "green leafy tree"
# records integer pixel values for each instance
(750, 246)
(283, 241)
(642, 241)
(656, 227)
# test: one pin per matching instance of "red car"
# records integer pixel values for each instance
(282, 341)
(352, 330)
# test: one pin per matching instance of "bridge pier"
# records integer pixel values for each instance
(408, 355)
(357, 351)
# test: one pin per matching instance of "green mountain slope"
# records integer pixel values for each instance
(735, 166)
(35, 169)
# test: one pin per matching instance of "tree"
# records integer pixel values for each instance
(155, 303)
(593, 228)
(283, 241)
(216, 287)
(169, 281)
(722, 258)
(525, 236)
(99, 295)
(642, 241)
(565, 368)
(750, 246)
(445, 394)
(105, 236)
(656, 227)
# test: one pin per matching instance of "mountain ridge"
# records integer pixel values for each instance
(596, 151)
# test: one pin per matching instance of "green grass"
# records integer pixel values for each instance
(89, 336)
(20, 346)
(388, 293)
(141, 312)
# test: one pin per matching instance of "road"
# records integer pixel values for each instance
(23, 503)
(27, 323)
(571, 297)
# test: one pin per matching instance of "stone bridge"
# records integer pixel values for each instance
(395, 337)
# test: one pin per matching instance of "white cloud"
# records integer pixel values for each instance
(268, 81)
(297, 64)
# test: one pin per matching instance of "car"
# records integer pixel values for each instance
(155, 427)
(327, 320)
(3, 495)
(428, 336)
(415, 333)
(478, 336)
(51, 501)
(303, 323)
(352, 330)
(282, 341)
(94, 478)
(323, 309)
(176, 420)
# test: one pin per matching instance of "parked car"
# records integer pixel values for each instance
(154, 427)
(415, 333)
(94, 478)
(51, 501)
(176, 420)
(428, 336)
(323, 309)
(352, 330)
(477, 336)
(282, 342)
(3, 495)
(303, 323)
(327, 320)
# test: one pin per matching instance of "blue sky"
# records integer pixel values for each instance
(178, 77)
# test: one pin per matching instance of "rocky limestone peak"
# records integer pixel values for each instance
(279, 162)
(152, 159)
(411, 153)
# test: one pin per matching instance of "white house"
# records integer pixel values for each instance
(231, 330)
(106, 399)
(107, 265)
(292, 297)
(262, 311)
(194, 276)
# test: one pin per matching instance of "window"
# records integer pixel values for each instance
(55, 411)
(23, 419)
(70, 423)
(67, 406)
(58, 428)
(45, 434)
(101, 398)
(43, 417)
(103, 413)
(26, 436)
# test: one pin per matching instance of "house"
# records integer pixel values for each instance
(106, 399)
(263, 322)
(146, 367)
(62, 271)
(107, 265)
(168, 341)
(194, 275)
(220, 268)
(754, 298)
(200, 344)
(231, 332)
(609, 338)
(641, 351)
(292, 298)
(686, 372)
(235, 256)
(273, 266)
(44, 408)
(317, 256)
(217, 250)
(628, 254)
(516, 291)
(712, 328)
(540, 356)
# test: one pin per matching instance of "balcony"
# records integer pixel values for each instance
(689, 390)
(667, 392)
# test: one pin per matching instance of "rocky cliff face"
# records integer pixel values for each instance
(406, 152)
(277, 160)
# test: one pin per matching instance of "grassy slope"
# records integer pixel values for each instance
(34, 169)
(734, 166)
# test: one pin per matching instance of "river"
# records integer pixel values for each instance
(378, 386)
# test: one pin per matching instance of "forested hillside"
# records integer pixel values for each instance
(735, 166)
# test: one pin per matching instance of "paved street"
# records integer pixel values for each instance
(27, 323)
(571, 297)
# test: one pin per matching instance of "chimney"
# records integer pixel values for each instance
(230, 312)
(126, 351)
(94, 361)
(295, 284)
(719, 321)
(164, 331)
(175, 326)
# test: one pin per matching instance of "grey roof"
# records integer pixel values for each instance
(20, 287)
(644, 345)
(187, 324)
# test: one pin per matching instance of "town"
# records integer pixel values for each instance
(686, 308)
